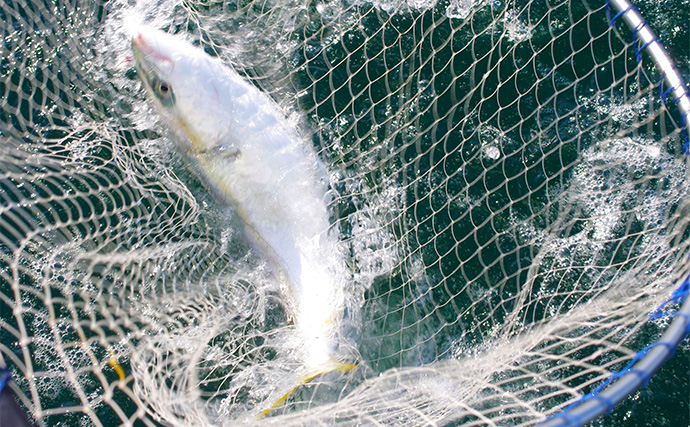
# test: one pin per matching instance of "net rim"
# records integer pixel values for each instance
(637, 373)
(647, 361)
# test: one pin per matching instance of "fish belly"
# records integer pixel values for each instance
(281, 202)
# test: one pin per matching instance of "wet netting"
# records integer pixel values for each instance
(506, 180)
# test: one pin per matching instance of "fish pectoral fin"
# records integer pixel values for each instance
(330, 366)
(227, 151)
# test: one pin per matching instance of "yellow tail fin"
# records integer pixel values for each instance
(332, 366)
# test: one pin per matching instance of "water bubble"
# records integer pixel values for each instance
(492, 152)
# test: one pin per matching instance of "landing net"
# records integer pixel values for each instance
(507, 179)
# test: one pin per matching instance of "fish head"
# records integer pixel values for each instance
(181, 79)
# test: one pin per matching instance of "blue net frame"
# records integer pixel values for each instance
(637, 373)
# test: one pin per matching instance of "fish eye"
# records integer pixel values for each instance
(162, 90)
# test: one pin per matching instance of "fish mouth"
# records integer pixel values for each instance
(149, 61)
(144, 67)
(145, 50)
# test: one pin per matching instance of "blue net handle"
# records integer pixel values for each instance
(637, 373)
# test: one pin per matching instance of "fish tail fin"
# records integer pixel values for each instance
(332, 365)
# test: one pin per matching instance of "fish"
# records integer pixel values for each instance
(249, 152)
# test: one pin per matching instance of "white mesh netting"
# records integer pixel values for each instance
(506, 185)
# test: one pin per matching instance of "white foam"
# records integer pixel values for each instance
(401, 6)
(461, 9)
(516, 30)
